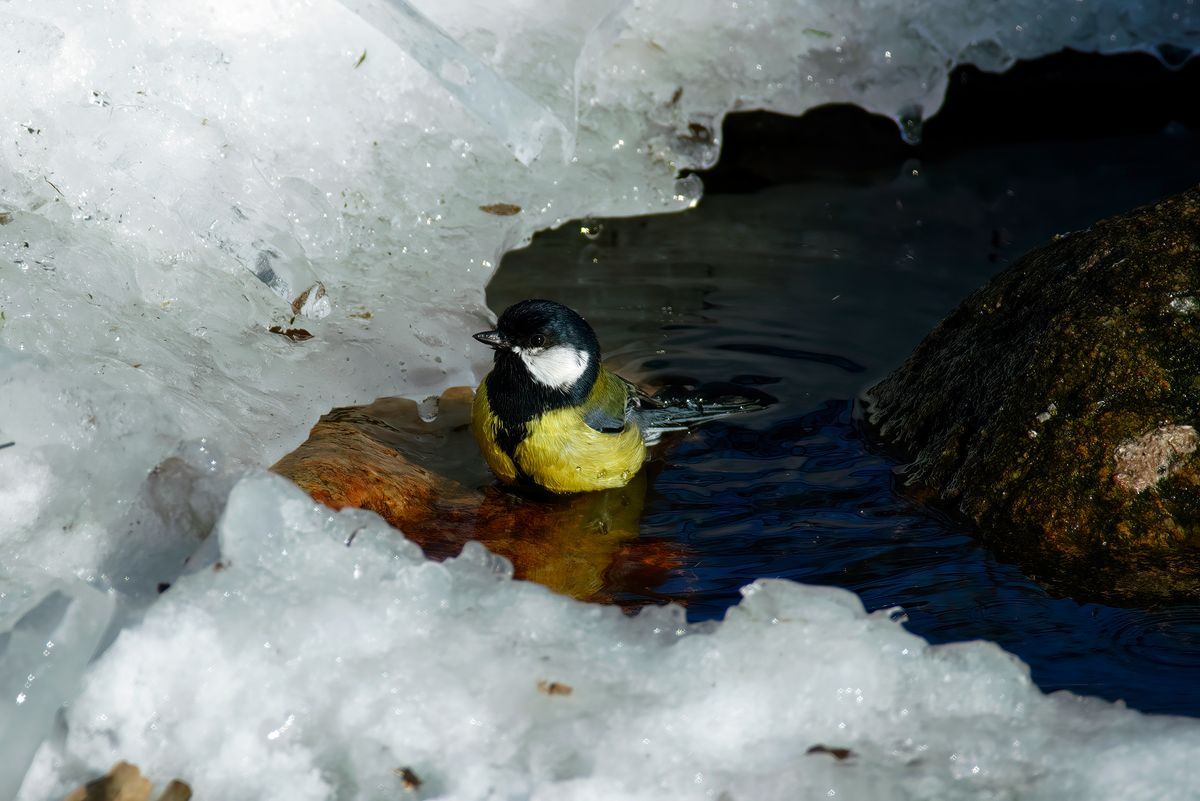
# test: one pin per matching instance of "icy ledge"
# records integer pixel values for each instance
(304, 669)
(182, 184)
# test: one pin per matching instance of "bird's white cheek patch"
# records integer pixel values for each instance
(558, 367)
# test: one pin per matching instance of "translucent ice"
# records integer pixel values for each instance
(48, 632)
(181, 184)
(521, 122)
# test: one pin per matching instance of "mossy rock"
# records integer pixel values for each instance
(1056, 409)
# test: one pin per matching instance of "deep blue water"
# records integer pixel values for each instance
(812, 292)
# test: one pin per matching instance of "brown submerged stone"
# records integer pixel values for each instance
(1056, 408)
(427, 479)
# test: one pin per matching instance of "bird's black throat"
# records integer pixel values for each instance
(516, 398)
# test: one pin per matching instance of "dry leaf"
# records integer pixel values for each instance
(176, 791)
(501, 209)
(554, 688)
(408, 779)
(123, 783)
(294, 334)
(837, 753)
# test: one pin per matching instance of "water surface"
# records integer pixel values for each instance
(812, 292)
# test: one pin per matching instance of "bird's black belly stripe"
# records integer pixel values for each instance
(508, 437)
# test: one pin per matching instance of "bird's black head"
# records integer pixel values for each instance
(545, 353)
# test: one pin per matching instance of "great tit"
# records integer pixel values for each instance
(549, 415)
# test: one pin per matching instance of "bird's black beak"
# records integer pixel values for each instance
(492, 339)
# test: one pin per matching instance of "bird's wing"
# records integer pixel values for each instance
(615, 401)
(636, 398)
(603, 420)
(607, 409)
(649, 412)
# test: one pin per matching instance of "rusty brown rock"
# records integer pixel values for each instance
(426, 478)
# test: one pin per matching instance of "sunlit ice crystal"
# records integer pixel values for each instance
(522, 122)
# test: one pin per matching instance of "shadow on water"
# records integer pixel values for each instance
(815, 291)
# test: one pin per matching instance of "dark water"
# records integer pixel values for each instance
(812, 292)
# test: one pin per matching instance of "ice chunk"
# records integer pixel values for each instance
(137, 521)
(48, 632)
(521, 122)
(301, 667)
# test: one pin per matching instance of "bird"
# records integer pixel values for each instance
(549, 416)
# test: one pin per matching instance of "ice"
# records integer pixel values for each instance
(517, 119)
(48, 633)
(177, 179)
(245, 682)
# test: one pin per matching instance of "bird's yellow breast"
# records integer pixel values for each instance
(560, 452)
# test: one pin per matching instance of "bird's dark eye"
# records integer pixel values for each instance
(537, 340)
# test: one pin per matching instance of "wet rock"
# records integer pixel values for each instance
(417, 466)
(1056, 408)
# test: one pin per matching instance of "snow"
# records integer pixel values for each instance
(444, 669)
(175, 176)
